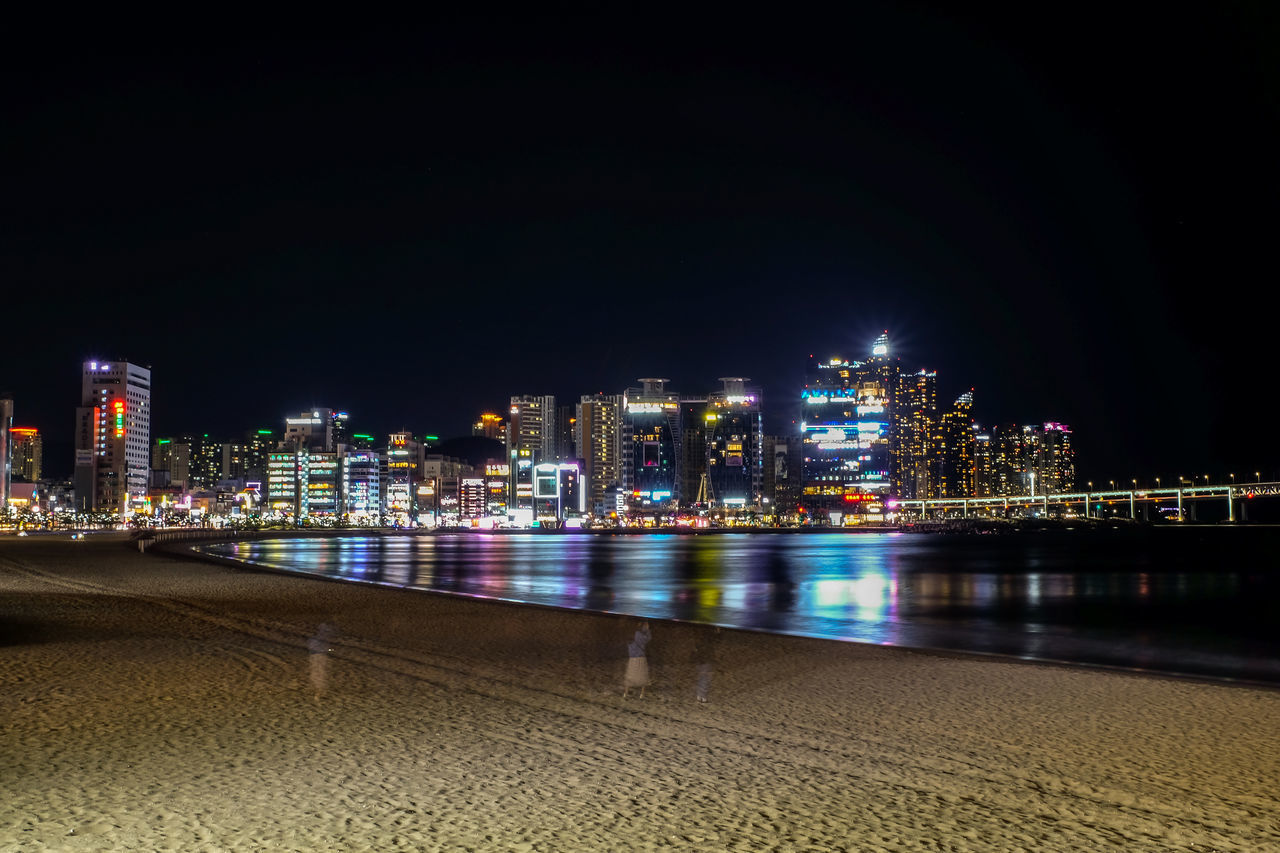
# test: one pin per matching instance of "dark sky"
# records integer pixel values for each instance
(1073, 215)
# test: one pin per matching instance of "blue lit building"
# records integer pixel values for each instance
(734, 446)
(650, 445)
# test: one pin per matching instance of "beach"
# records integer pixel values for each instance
(150, 702)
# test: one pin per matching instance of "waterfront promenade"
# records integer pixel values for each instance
(157, 703)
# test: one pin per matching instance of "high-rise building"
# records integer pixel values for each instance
(531, 440)
(781, 483)
(6, 448)
(28, 453)
(735, 445)
(650, 442)
(916, 428)
(313, 430)
(597, 428)
(957, 448)
(847, 435)
(257, 444)
(113, 435)
(532, 427)
(490, 426)
(362, 485)
(693, 451)
(1053, 460)
(173, 457)
(206, 461)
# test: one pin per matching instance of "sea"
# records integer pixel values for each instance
(1195, 601)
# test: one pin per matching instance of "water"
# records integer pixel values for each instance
(1198, 601)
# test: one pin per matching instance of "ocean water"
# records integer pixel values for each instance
(1202, 601)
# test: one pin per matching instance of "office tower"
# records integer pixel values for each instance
(957, 448)
(597, 439)
(6, 448)
(490, 426)
(28, 453)
(313, 430)
(113, 435)
(735, 445)
(320, 490)
(650, 444)
(173, 457)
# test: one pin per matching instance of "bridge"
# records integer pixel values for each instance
(1084, 503)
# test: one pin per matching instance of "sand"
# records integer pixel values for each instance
(155, 703)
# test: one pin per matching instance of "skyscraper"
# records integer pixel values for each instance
(957, 448)
(28, 452)
(113, 435)
(599, 417)
(735, 445)
(650, 444)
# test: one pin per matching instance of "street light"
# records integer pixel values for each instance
(1157, 482)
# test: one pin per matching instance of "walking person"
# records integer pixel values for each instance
(318, 647)
(637, 662)
(704, 659)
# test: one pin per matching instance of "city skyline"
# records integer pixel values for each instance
(414, 226)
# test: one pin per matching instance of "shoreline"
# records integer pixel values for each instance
(159, 703)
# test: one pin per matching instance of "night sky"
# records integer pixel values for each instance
(1075, 216)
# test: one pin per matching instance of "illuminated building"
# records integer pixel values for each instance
(284, 482)
(566, 433)
(781, 480)
(497, 476)
(1053, 460)
(235, 461)
(28, 451)
(557, 492)
(957, 448)
(404, 461)
(318, 429)
(206, 462)
(172, 456)
(985, 482)
(735, 445)
(531, 439)
(320, 488)
(6, 448)
(257, 444)
(650, 446)
(598, 424)
(532, 426)
(113, 435)
(917, 437)
(473, 498)
(846, 434)
(490, 426)
(693, 451)
(362, 484)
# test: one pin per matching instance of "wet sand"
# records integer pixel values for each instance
(154, 703)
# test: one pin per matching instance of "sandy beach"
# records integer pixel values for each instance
(155, 703)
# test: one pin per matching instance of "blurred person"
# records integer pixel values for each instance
(637, 662)
(319, 647)
(704, 659)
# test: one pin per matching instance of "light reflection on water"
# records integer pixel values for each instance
(1148, 605)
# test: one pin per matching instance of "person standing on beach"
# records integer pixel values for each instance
(704, 658)
(637, 662)
(318, 647)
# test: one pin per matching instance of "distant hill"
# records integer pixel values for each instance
(474, 449)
